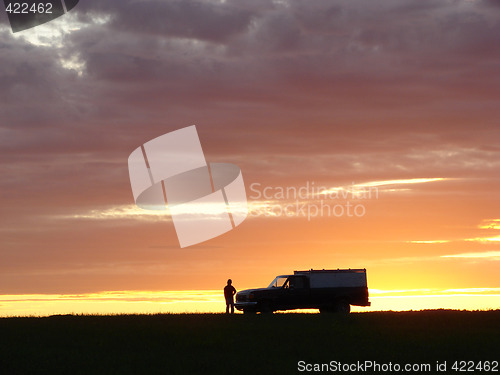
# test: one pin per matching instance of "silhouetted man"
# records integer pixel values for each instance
(229, 292)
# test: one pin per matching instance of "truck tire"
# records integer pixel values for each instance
(249, 311)
(342, 307)
(265, 308)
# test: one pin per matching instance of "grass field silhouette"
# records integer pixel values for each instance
(241, 344)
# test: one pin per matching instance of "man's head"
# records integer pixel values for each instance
(229, 282)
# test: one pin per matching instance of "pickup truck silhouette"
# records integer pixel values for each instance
(326, 290)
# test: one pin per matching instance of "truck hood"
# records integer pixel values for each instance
(248, 291)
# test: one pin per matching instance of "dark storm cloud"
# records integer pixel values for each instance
(184, 19)
(359, 71)
(360, 54)
(203, 20)
(173, 62)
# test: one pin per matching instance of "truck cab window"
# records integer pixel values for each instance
(278, 282)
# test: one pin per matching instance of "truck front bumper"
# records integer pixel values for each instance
(244, 305)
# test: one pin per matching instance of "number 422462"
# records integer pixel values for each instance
(25, 8)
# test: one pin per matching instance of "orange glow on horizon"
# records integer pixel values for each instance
(212, 301)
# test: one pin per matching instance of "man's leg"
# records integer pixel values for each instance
(232, 307)
(227, 307)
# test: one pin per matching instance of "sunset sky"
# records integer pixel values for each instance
(400, 98)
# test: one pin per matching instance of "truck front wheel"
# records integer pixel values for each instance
(265, 308)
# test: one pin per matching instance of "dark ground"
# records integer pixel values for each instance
(241, 344)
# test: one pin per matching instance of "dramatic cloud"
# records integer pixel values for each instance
(493, 255)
